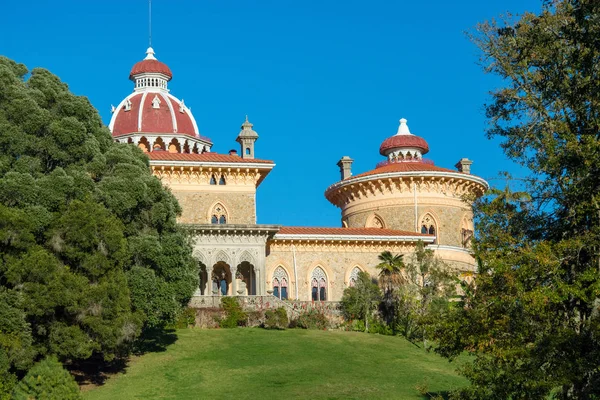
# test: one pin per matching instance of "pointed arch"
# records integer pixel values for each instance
(174, 146)
(428, 225)
(280, 283)
(375, 221)
(158, 144)
(144, 144)
(246, 257)
(319, 284)
(353, 276)
(218, 214)
(222, 256)
(466, 231)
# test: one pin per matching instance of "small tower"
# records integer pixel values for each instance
(246, 139)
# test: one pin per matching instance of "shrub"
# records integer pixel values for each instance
(47, 380)
(312, 319)
(234, 314)
(276, 319)
(186, 319)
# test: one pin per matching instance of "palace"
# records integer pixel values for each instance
(406, 198)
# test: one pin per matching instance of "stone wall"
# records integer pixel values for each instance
(448, 218)
(197, 206)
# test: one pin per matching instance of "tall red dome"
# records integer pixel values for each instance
(151, 110)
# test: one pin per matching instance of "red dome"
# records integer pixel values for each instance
(150, 66)
(160, 113)
(403, 141)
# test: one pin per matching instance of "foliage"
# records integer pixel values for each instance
(90, 253)
(311, 319)
(428, 288)
(533, 318)
(276, 319)
(309, 364)
(390, 278)
(185, 319)
(47, 380)
(234, 314)
(359, 301)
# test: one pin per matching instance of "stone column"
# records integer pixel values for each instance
(233, 281)
(209, 282)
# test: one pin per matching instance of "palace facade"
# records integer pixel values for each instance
(406, 198)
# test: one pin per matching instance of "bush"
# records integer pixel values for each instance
(234, 314)
(186, 319)
(47, 380)
(312, 319)
(276, 319)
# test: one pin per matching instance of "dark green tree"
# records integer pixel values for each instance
(533, 318)
(90, 252)
(359, 301)
(47, 380)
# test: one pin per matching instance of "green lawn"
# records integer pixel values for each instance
(259, 364)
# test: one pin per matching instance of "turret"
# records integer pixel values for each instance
(246, 139)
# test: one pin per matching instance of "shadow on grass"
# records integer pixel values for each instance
(154, 341)
(95, 371)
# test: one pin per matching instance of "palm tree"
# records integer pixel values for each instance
(391, 267)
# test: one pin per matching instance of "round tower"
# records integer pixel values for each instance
(408, 192)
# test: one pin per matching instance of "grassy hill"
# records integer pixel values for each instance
(260, 364)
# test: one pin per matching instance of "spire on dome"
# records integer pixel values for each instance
(403, 128)
(150, 54)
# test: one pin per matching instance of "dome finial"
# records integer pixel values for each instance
(403, 128)
(150, 54)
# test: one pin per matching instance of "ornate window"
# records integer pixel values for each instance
(247, 151)
(428, 225)
(222, 180)
(218, 214)
(354, 276)
(319, 284)
(375, 221)
(280, 283)
(213, 180)
(466, 232)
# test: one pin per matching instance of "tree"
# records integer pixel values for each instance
(359, 301)
(390, 278)
(90, 252)
(47, 380)
(428, 286)
(533, 318)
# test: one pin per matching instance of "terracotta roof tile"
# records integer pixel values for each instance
(298, 230)
(404, 167)
(204, 157)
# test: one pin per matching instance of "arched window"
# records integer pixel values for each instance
(218, 214)
(280, 283)
(222, 180)
(353, 276)
(318, 285)
(213, 180)
(247, 151)
(429, 226)
(466, 232)
(375, 221)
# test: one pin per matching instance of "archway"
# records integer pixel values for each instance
(247, 277)
(221, 279)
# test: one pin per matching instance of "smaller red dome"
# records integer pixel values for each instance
(150, 66)
(400, 141)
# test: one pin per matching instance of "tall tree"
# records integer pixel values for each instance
(359, 301)
(90, 252)
(390, 278)
(533, 319)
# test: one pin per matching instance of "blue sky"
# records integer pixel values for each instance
(319, 79)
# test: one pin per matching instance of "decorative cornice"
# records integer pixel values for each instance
(352, 238)
(371, 186)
